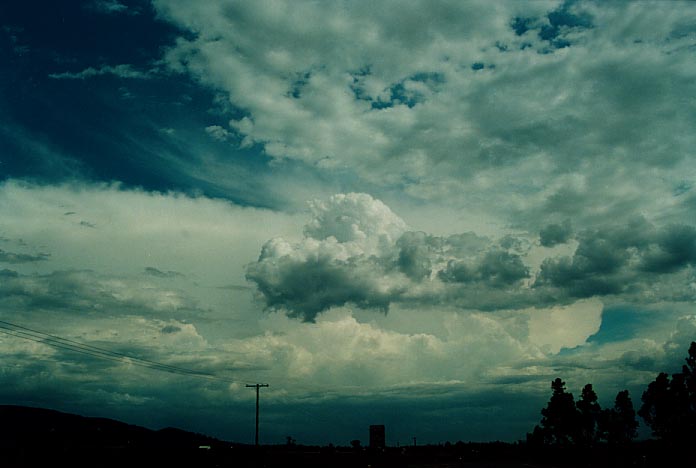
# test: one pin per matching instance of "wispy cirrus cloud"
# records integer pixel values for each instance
(111, 7)
(123, 70)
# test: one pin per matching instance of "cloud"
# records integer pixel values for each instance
(13, 258)
(554, 234)
(338, 350)
(337, 262)
(354, 218)
(352, 256)
(110, 7)
(152, 271)
(676, 349)
(672, 249)
(149, 254)
(77, 292)
(356, 251)
(528, 166)
(121, 71)
(400, 100)
(621, 259)
(217, 132)
(170, 329)
(497, 267)
(569, 326)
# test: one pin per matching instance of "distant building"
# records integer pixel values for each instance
(377, 437)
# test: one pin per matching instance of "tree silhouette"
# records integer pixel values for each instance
(559, 422)
(588, 416)
(689, 371)
(669, 406)
(618, 425)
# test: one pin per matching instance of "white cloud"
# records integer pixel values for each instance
(389, 92)
(98, 285)
(217, 132)
(110, 7)
(356, 251)
(341, 353)
(134, 229)
(354, 217)
(203, 243)
(122, 71)
(144, 281)
(565, 327)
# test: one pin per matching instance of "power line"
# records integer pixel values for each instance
(30, 334)
(105, 356)
(64, 343)
(26, 333)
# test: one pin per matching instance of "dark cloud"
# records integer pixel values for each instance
(5, 273)
(514, 243)
(368, 270)
(235, 287)
(152, 271)
(566, 201)
(497, 268)
(501, 268)
(356, 251)
(415, 254)
(15, 258)
(620, 259)
(554, 234)
(169, 329)
(311, 285)
(85, 291)
(673, 248)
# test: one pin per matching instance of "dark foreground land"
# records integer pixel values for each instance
(32, 437)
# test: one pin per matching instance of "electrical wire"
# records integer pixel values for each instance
(55, 341)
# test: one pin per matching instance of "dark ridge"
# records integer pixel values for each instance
(42, 437)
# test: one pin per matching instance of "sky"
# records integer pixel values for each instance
(414, 213)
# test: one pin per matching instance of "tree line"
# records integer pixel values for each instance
(668, 408)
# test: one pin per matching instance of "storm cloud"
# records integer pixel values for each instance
(348, 257)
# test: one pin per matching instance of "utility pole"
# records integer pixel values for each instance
(257, 386)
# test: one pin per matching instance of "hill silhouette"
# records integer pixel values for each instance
(36, 436)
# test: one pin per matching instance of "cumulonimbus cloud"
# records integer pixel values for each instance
(356, 251)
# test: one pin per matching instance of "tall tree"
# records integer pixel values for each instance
(618, 425)
(669, 405)
(588, 416)
(689, 371)
(657, 409)
(560, 417)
